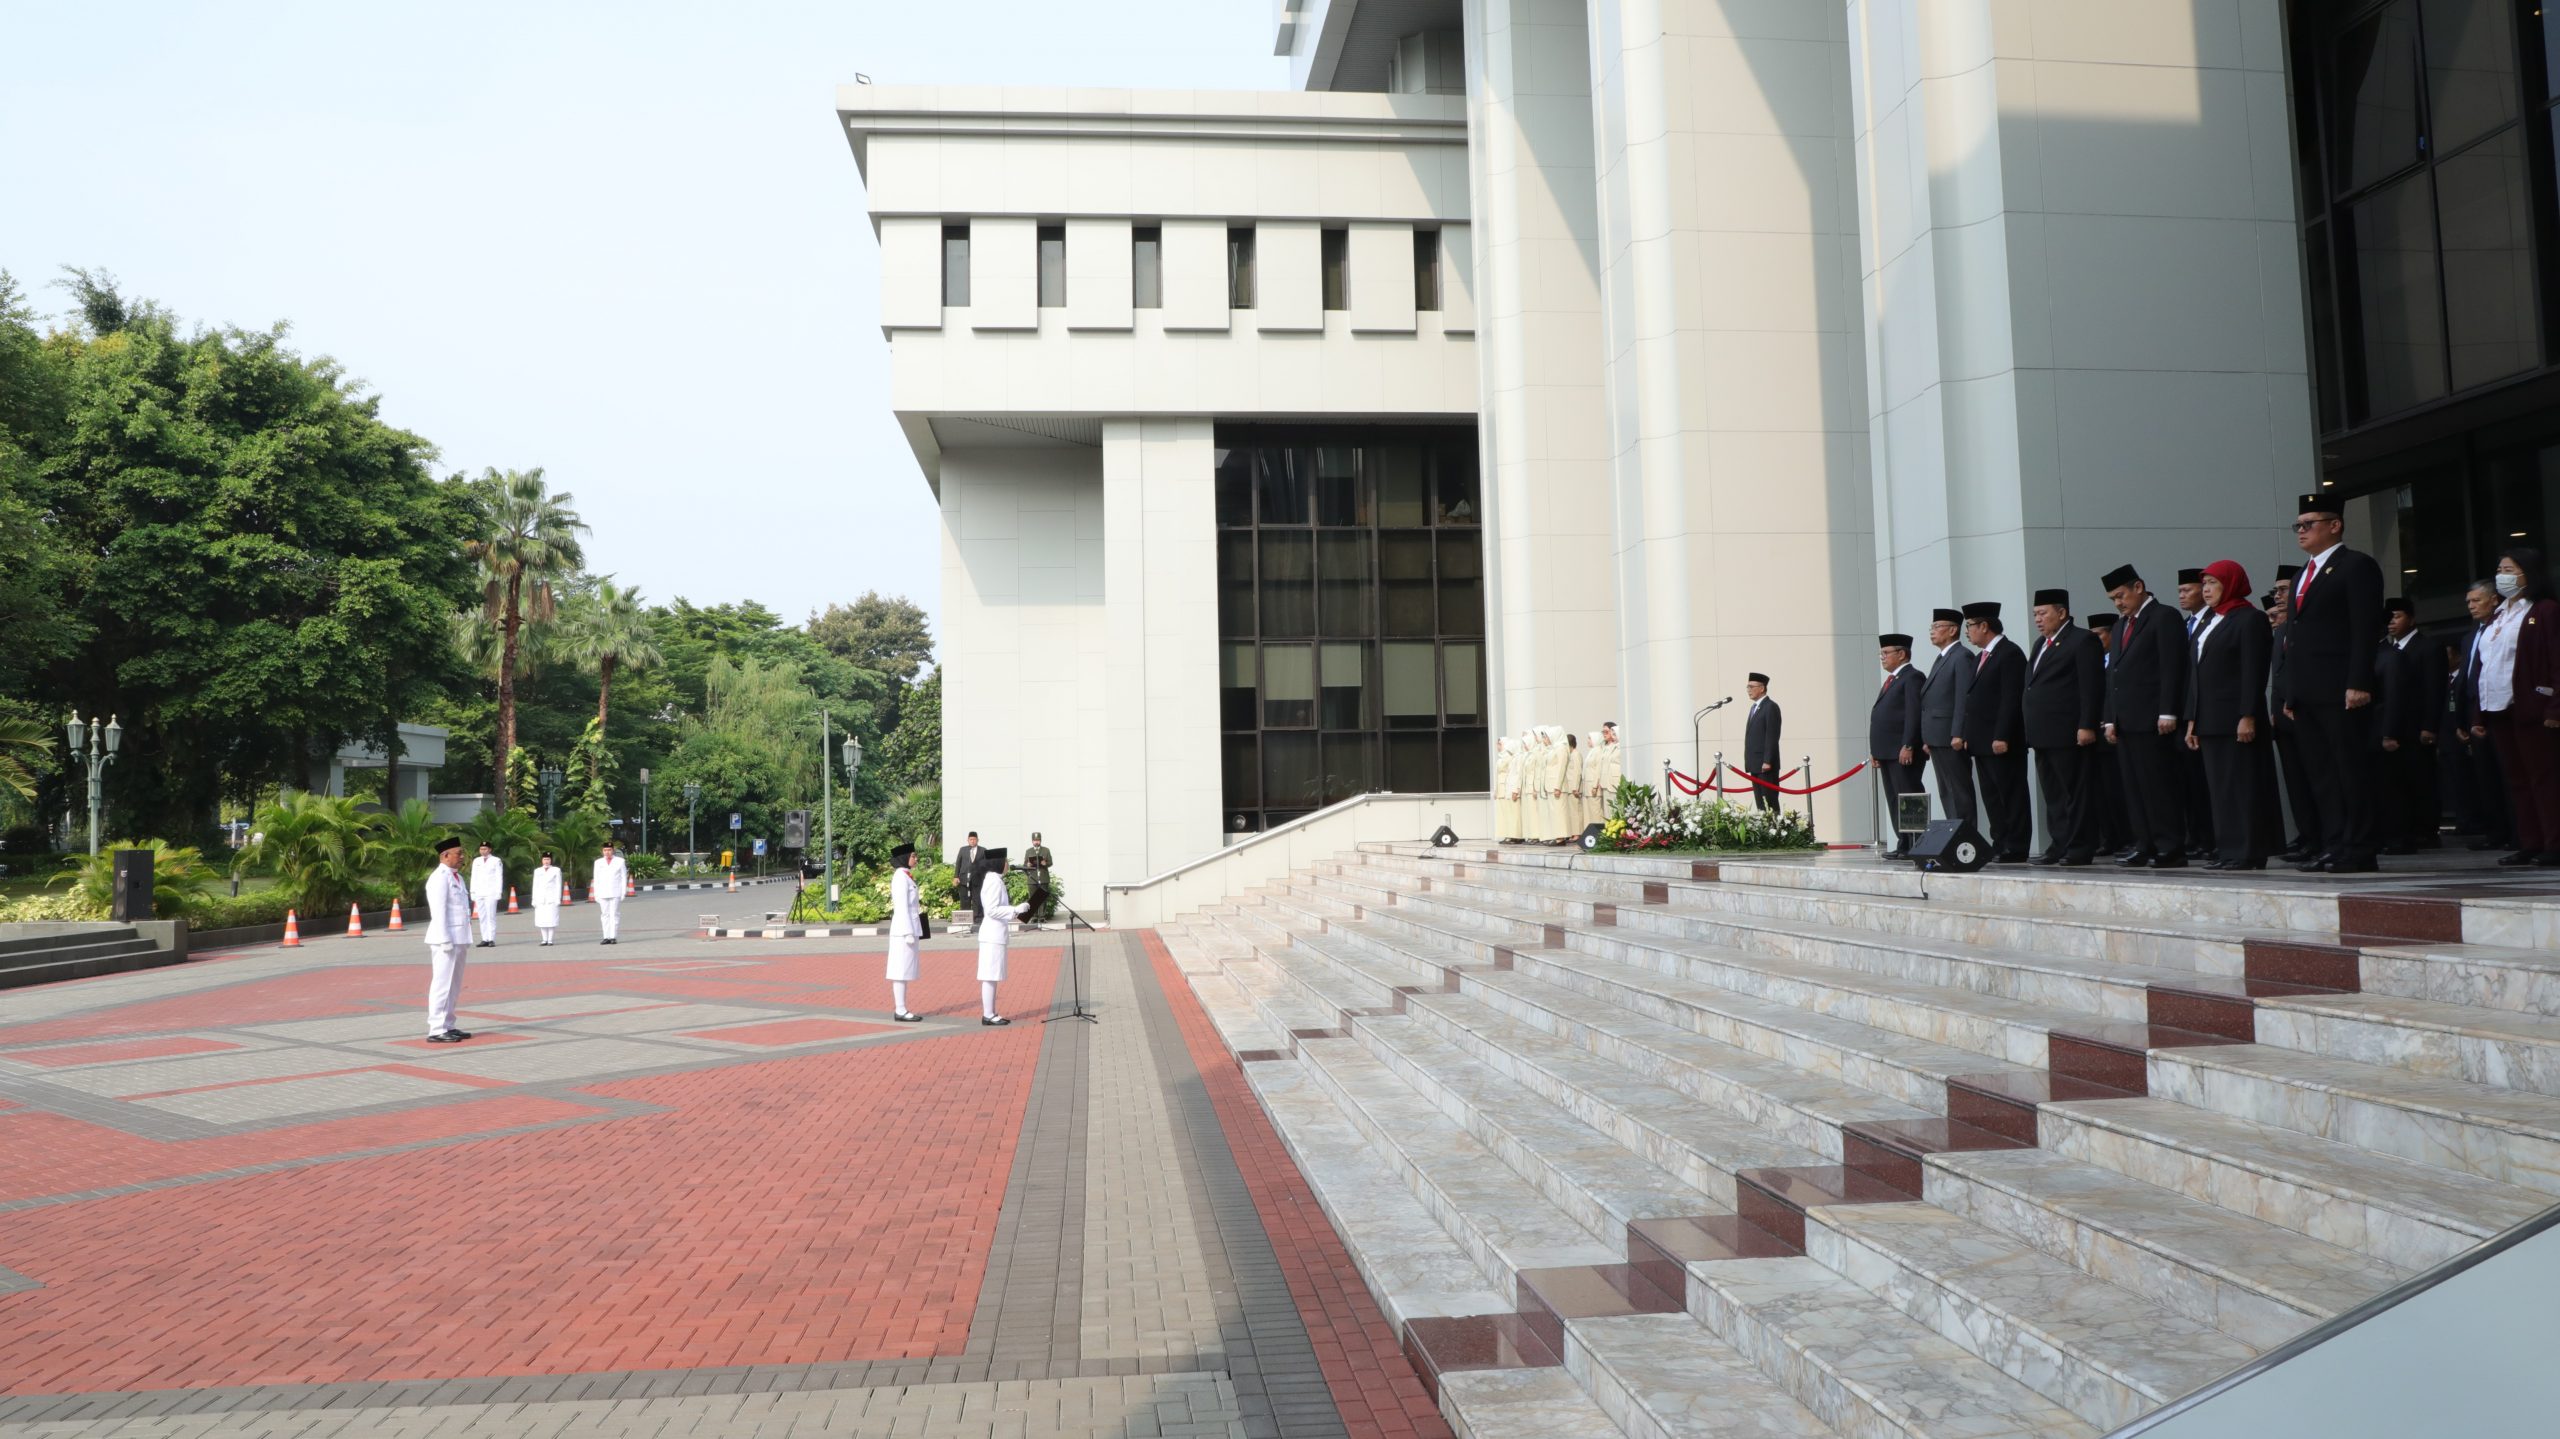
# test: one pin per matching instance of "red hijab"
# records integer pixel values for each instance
(2235, 585)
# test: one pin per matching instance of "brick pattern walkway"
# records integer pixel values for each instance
(659, 1195)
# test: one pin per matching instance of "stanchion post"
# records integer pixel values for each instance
(1807, 771)
(1718, 772)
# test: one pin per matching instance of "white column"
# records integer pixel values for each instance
(1159, 530)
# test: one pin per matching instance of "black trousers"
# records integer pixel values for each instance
(2242, 781)
(2198, 807)
(2004, 802)
(2154, 776)
(1899, 779)
(2416, 814)
(2298, 795)
(2069, 776)
(2489, 782)
(1954, 769)
(2339, 746)
(1765, 798)
(2106, 795)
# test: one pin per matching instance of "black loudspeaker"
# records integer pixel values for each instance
(795, 829)
(130, 899)
(1444, 836)
(1591, 836)
(1950, 846)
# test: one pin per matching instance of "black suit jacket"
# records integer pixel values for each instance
(2404, 676)
(1942, 698)
(964, 868)
(1760, 738)
(1894, 719)
(2333, 631)
(1993, 698)
(2148, 676)
(2066, 689)
(2230, 674)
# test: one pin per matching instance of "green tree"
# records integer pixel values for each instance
(575, 842)
(911, 757)
(26, 750)
(527, 548)
(591, 774)
(512, 835)
(320, 848)
(606, 629)
(887, 635)
(404, 848)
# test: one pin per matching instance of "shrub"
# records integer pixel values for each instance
(319, 847)
(178, 877)
(63, 906)
(222, 911)
(647, 867)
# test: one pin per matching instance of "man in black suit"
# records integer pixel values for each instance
(2065, 691)
(2298, 797)
(1893, 732)
(2106, 782)
(2146, 695)
(1991, 730)
(2488, 780)
(2337, 612)
(964, 878)
(1760, 740)
(2196, 799)
(1950, 675)
(2412, 702)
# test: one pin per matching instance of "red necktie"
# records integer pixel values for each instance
(2304, 587)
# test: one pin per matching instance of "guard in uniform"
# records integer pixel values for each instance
(907, 931)
(2147, 673)
(448, 935)
(1991, 729)
(1950, 675)
(2065, 693)
(1893, 732)
(1035, 867)
(995, 932)
(2337, 612)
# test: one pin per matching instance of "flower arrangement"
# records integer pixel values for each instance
(1642, 819)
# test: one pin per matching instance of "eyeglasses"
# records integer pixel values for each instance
(2300, 525)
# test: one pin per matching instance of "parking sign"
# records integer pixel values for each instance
(737, 821)
(759, 849)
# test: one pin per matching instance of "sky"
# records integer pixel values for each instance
(623, 242)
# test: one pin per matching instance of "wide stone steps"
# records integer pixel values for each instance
(2457, 1041)
(2486, 976)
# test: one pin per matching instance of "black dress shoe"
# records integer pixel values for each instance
(2046, 859)
(2135, 860)
(905, 1018)
(2354, 866)
(2399, 849)
(2170, 861)
(2314, 865)
(458, 1035)
(448, 1037)
(2076, 861)
(2218, 864)
(2520, 857)
(982, 1019)
(2296, 854)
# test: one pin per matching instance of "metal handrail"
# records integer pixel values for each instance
(2339, 1323)
(1287, 826)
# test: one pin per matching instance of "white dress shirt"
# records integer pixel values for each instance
(2497, 651)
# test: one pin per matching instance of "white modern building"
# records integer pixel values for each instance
(1547, 362)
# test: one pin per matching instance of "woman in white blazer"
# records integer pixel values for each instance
(547, 880)
(995, 935)
(907, 929)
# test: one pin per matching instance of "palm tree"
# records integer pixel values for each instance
(23, 745)
(608, 629)
(528, 549)
(321, 848)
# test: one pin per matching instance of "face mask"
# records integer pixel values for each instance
(2508, 585)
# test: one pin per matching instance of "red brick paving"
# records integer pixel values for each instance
(791, 1031)
(1371, 1381)
(478, 1038)
(808, 1209)
(113, 1050)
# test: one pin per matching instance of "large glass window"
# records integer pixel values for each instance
(1240, 267)
(1337, 269)
(955, 264)
(1426, 269)
(1351, 615)
(1053, 266)
(1146, 267)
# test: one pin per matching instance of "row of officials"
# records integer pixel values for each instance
(2158, 735)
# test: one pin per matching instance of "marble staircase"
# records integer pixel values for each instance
(1670, 1148)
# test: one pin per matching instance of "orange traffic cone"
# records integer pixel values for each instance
(511, 900)
(355, 922)
(733, 881)
(632, 887)
(394, 925)
(292, 932)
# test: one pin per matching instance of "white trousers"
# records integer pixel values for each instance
(609, 911)
(547, 932)
(488, 918)
(444, 984)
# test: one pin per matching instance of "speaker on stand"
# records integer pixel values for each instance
(1591, 835)
(1949, 846)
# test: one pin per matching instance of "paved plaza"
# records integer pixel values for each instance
(677, 1186)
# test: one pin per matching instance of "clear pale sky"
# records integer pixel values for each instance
(623, 242)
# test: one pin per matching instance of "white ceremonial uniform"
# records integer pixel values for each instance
(1506, 800)
(1569, 811)
(488, 889)
(995, 937)
(1613, 770)
(612, 880)
(448, 944)
(906, 930)
(547, 884)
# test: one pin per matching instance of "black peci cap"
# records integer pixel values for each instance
(2397, 606)
(1757, 678)
(447, 844)
(2060, 599)
(1893, 642)
(1982, 610)
(2119, 577)
(2320, 502)
(2105, 620)
(1951, 617)
(899, 854)
(2288, 572)
(2191, 577)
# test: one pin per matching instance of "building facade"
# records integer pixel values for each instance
(1559, 361)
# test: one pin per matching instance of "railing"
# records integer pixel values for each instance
(2466, 1348)
(1286, 846)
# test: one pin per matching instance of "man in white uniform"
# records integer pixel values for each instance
(907, 929)
(488, 886)
(448, 935)
(995, 932)
(547, 883)
(612, 880)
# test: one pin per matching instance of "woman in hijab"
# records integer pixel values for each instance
(2227, 716)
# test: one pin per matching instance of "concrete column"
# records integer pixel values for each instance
(1159, 525)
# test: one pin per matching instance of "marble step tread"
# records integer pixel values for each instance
(1608, 1185)
(1327, 982)
(2448, 1198)
(1391, 973)
(1282, 1003)
(1666, 1377)
(2511, 1135)
(1860, 1364)
(1497, 1216)
(1544, 1403)
(1716, 1141)
(2103, 1352)
(1241, 1021)
(2304, 1274)
(2471, 1021)
(2117, 973)
(2491, 976)
(1934, 1061)
(1411, 1265)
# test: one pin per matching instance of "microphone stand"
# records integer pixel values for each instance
(1075, 967)
(1698, 746)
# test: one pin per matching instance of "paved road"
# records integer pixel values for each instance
(671, 1186)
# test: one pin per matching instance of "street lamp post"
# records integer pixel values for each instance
(97, 744)
(692, 793)
(550, 790)
(644, 809)
(827, 778)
